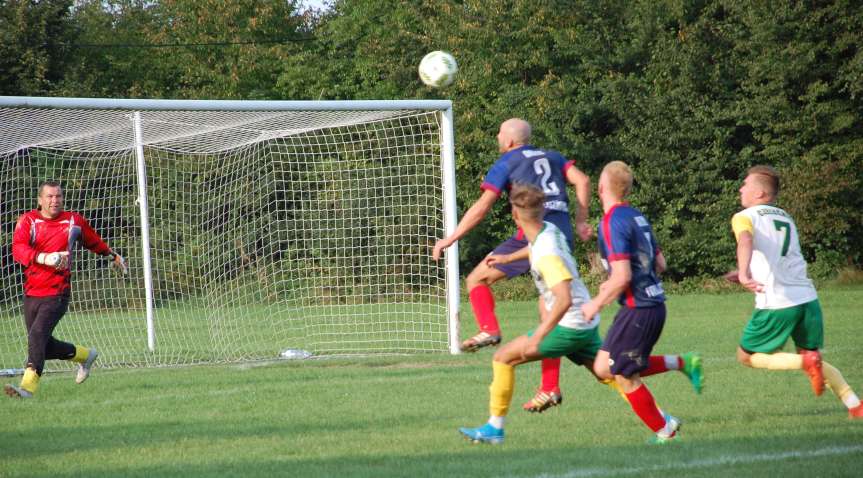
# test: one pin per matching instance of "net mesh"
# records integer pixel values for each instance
(268, 231)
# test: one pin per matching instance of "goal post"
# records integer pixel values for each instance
(250, 227)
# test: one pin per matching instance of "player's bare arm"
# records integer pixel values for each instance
(621, 275)
(540, 304)
(471, 219)
(581, 182)
(499, 259)
(732, 276)
(744, 256)
(660, 265)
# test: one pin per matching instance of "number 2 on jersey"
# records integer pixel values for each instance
(784, 228)
(542, 167)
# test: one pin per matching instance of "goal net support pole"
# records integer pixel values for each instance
(450, 222)
(141, 170)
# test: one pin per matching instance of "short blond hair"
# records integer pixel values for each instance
(619, 178)
(528, 199)
(767, 177)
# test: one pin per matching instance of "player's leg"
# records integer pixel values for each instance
(500, 392)
(548, 394)
(50, 312)
(479, 282)
(808, 336)
(767, 331)
(628, 345)
(588, 355)
(36, 311)
(85, 357)
(559, 342)
(689, 364)
(663, 425)
(550, 375)
(836, 383)
(49, 315)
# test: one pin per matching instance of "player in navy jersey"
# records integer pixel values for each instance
(520, 162)
(629, 249)
(43, 242)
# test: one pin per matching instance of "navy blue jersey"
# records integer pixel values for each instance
(626, 235)
(543, 168)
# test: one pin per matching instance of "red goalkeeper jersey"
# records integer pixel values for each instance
(34, 234)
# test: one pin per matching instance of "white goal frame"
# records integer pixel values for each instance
(134, 107)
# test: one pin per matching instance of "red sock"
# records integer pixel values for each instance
(550, 374)
(483, 309)
(645, 407)
(656, 364)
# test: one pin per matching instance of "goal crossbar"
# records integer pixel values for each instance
(221, 105)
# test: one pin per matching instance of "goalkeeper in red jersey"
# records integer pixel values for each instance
(43, 243)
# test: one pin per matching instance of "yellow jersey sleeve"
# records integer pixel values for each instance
(741, 223)
(553, 270)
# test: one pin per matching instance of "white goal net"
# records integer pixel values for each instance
(249, 227)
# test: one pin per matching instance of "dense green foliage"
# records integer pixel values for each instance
(398, 416)
(690, 92)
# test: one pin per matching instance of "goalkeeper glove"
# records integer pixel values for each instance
(57, 260)
(118, 263)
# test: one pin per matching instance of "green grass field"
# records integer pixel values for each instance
(398, 416)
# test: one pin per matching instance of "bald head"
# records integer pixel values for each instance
(514, 132)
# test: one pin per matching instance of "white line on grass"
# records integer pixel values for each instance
(723, 460)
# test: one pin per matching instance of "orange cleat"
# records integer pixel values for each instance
(856, 413)
(812, 367)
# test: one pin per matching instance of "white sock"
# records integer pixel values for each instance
(851, 401)
(496, 422)
(671, 362)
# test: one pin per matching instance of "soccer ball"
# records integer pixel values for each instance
(438, 69)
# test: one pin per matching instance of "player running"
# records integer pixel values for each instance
(43, 243)
(769, 263)
(630, 250)
(550, 172)
(562, 330)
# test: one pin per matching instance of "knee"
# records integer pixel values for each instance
(602, 371)
(743, 358)
(506, 356)
(628, 384)
(475, 278)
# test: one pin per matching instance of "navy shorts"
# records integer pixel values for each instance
(515, 243)
(631, 338)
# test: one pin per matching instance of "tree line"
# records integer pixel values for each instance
(690, 93)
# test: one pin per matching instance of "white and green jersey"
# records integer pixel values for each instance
(550, 263)
(776, 259)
